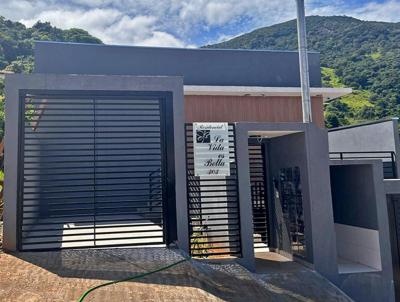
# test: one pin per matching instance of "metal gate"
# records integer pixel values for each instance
(258, 194)
(394, 224)
(213, 206)
(93, 171)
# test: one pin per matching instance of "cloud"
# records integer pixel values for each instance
(111, 26)
(374, 11)
(182, 22)
(388, 11)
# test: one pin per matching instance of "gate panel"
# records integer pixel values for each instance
(213, 205)
(129, 207)
(93, 172)
(258, 195)
(394, 224)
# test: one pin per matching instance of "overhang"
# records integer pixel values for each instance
(328, 94)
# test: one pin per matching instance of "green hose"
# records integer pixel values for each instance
(129, 278)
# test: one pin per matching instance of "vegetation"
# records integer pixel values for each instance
(363, 55)
(16, 47)
(16, 42)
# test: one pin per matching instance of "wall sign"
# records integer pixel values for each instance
(211, 149)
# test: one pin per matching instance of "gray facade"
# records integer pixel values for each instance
(15, 84)
(353, 187)
(369, 214)
(101, 68)
(370, 195)
(196, 66)
(311, 155)
(374, 136)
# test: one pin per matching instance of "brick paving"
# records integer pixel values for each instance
(65, 275)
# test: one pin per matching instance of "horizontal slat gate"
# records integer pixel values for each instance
(93, 172)
(213, 205)
(258, 195)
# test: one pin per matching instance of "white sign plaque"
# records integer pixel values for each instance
(211, 149)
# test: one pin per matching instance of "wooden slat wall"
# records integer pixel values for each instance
(249, 109)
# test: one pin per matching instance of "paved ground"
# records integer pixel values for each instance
(1, 234)
(65, 275)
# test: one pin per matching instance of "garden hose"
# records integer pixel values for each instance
(129, 278)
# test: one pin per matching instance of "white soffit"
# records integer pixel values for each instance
(328, 94)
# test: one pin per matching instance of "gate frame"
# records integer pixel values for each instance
(236, 181)
(17, 84)
(164, 98)
(267, 184)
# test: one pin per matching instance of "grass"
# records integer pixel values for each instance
(357, 100)
(330, 79)
(375, 55)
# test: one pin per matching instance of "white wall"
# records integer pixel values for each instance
(358, 245)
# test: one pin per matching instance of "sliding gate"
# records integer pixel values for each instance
(93, 171)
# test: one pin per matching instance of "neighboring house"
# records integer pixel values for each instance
(109, 146)
(374, 141)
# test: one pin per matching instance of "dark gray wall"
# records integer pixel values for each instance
(197, 66)
(353, 196)
(374, 286)
(313, 154)
(376, 136)
(289, 151)
(17, 82)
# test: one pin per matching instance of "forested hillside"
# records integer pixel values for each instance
(363, 55)
(16, 47)
(16, 42)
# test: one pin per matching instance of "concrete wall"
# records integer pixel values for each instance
(312, 155)
(197, 66)
(282, 154)
(370, 286)
(356, 246)
(14, 83)
(353, 197)
(376, 136)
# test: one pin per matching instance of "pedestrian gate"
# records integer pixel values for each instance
(213, 207)
(259, 196)
(93, 171)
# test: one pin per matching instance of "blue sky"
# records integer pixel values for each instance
(183, 23)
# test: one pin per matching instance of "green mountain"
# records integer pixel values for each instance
(16, 47)
(364, 55)
(16, 42)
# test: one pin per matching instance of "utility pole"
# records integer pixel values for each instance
(303, 62)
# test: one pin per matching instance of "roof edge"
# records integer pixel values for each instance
(363, 124)
(173, 48)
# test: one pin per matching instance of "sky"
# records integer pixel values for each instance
(183, 23)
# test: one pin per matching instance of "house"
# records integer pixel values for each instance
(199, 148)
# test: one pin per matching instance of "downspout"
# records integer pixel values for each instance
(303, 62)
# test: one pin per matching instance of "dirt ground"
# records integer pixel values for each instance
(65, 275)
